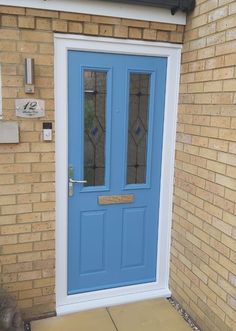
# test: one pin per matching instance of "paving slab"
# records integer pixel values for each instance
(94, 320)
(151, 315)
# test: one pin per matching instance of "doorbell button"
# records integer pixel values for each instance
(47, 131)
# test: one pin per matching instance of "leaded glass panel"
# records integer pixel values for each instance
(95, 91)
(139, 94)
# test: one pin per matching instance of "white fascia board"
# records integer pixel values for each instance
(103, 8)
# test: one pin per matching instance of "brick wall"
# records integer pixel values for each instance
(27, 198)
(203, 262)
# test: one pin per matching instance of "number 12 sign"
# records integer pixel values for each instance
(30, 108)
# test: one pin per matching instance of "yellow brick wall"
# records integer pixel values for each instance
(203, 255)
(27, 197)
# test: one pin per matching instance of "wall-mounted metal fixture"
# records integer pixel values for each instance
(29, 75)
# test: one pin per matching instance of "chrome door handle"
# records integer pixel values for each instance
(77, 181)
(73, 181)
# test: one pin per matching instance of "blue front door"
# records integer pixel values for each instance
(116, 114)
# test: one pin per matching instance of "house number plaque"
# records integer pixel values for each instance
(30, 108)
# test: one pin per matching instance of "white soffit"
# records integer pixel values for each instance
(104, 8)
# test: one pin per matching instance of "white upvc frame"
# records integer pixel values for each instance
(71, 303)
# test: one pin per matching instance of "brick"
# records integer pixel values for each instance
(229, 242)
(26, 22)
(43, 187)
(8, 219)
(48, 196)
(31, 293)
(24, 304)
(91, 28)
(149, 34)
(75, 17)
(5, 240)
(206, 52)
(43, 167)
(27, 47)
(59, 26)
(16, 209)
(208, 6)
(17, 267)
(75, 27)
(135, 23)
(30, 237)
(44, 299)
(8, 46)
(29, 275)
(218, 13)
(8, 21)
(28, 218)
(11, 229)
(225, 48)
(222, 226)
(17, 248)
(14, 189)
(8, 57)
(105, 20)
(176, 37)
(19, 286)
(213, 86)
(43, 24)
(229, 85)
(36, 36)
(227, 158)
(27, 178)
(12, 10)
(44, 245)
(223, 73)
(231, 171)
(230, 35)
(217, 38)
(28, 198)
(27, 157)
(199, 21)
(41, 13)
(7, 200)
(163, 35)
(31, 256)
(163, 26)
(227, 134)
(135, 33)
(43, 206)
(44, 282)
(9, 34)
(226, 23)
(44, 226)
(216, 166)
(229, 265)
(230, 195)
(49, 235)
(42, 147)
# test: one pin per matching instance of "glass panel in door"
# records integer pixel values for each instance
(139, 95)
(95, 91)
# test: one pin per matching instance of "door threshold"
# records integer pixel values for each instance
(111, 301)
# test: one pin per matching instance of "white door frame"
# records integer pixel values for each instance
(71, 303)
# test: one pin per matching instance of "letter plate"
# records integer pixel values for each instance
(115, 199)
